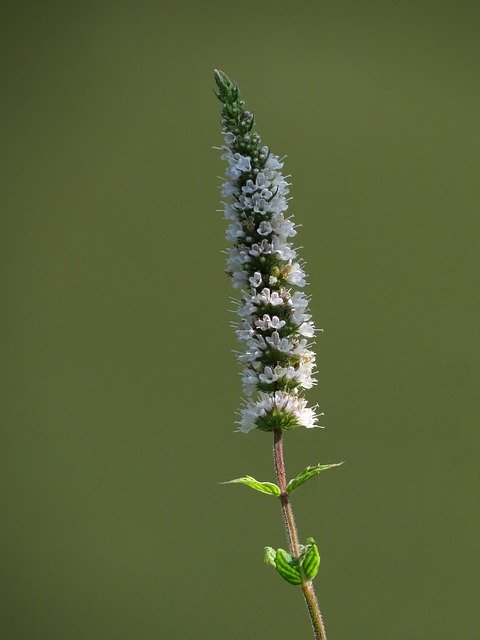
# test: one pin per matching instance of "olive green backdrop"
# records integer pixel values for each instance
(119, 386)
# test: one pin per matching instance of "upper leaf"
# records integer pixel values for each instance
(308, 473)
(264, 487)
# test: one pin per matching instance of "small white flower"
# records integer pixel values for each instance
(277, 204)
(237, 258)
(246, 309)
(268, 376)
(239, 278)
(276, 323)
(304, 375)
(233, 172)
(264, 228)
(245, 331)
(243, 163)
(283, 249)
(280, 344)
(267, 322)
(263, 248)
(230, 212)
(283, 227)
(299, 300)
(263, 181)
(268, 297)
(229, 138)
(228, 155)
(256, 279)
(259, 203)
(306, 417)
(234, 231)
(273, 162)
(306, 329)
(275, 299)
(249, 381)
(295, 275)
(250, 356)
(229, 189)
(249, 187)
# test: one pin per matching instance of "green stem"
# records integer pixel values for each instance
(292, 534)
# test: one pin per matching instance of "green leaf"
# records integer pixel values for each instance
(287, 567)
(310, 560)
(269, 556)
(295, 570)
(264, 487)
(308, 473)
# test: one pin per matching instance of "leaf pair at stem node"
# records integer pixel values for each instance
(295, 570)
(272, 489)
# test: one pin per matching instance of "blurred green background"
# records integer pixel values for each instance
(119, 387)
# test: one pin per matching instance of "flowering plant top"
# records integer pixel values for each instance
(275, 325)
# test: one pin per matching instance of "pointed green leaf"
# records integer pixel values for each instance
(287, 567)
(264, 487)
(310, 560)
(269, 556)
(308, 473)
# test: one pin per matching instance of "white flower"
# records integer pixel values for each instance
(295, 275)
(306, 329)
(264, 247)
(229, 189)
(228, 155)
(229, 138)
(234, 231)
(263, 180)
(246, 309)
(283, 249)
(230, 212)
(239, 278)
(273, 162)
(256, 279)
(304, 375)
(233, 173)
(259, 203)
(243, 163)
(275, 299)
(277, 204)
(237, 258)
(249, 187)
(283, 227)
(269, 323)
(264, 228)
(299, 300)
(268, 297)
(268, 376)
(280, 344)
(245, 331)
(249, 381)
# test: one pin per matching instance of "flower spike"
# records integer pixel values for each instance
(275, 325)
